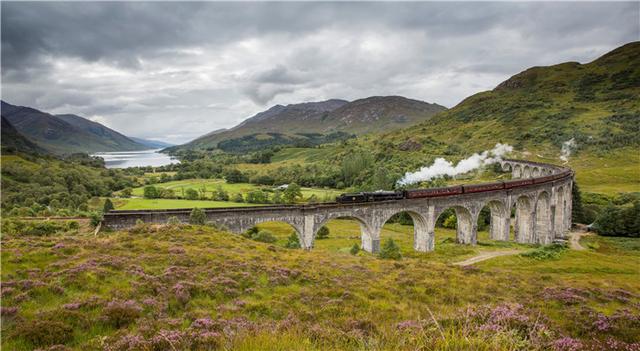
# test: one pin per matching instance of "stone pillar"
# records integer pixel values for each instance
(308, 232)
(558, 218)
(500, 223)
(524, 220)
(516, 171)
(423, 230)
(542, 229)
(370, 238)
(467, 232)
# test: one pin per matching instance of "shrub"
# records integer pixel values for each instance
(323, 233)
(151, 192)
(44, 332)
(72, 225)
(108, 206)
(390, 250)
(619, 221)
(96, 218)
(191, 194)
(293, 242)
(451, 222)
(545, 252)
(354, 249)
(238, 198)
(121, 313)
(197, 216)
(264, 236)
(173, 220)
(250, 232)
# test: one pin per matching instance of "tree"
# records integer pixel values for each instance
(233, 175)
(292, 192)
(323, 233)
(277, 197)
(197, 216)
(451, 222)
(577, 211)
(238, 198)
(191, 194)
(381, 180)
(150, 192)
(220, 194)
(257, 197)
(126, 192)
(390, 250)
(108, 206)
(293, 242)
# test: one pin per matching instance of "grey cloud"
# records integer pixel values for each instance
(155, 69)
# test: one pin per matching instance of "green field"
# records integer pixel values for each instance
(163, 204)
(210, 185)
(197, 288)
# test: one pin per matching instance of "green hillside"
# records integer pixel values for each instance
(66, 134)
(596, 104)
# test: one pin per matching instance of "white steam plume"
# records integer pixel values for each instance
(567, 148)
(442, 167)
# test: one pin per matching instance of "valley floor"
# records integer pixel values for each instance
(197, 288)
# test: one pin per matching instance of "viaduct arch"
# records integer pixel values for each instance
(541, 200)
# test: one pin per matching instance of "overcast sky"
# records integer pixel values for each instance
(174, 71)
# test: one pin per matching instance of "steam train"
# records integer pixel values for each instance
(452, 190)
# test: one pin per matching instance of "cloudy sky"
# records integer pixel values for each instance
(174, 71)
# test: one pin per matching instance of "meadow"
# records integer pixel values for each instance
(195, 287)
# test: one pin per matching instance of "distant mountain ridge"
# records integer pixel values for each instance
(153, 144)
(65, 134)
(368, 115)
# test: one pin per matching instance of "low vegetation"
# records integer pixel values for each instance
(181, 286)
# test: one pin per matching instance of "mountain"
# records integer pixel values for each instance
(13, 141)
(64, 134)
(152, 144)
(369, 115)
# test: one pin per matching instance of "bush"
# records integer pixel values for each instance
(250, 232)
(619, 221)
(197, 216)
(108, 206)
(354, 249)
(390, 250)
(173, 220)
(264, 236)
(293, 242)
(545, 252)
(191, 194)
(121, 313)
(323, 233)
(44, 332)
(451, 222)
(151, 192)
(96, 218)
(72, 225)
(238, 198)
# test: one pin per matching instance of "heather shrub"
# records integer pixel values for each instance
(293, 242)
(390, 250)
(264, 236)
(197, 217)
(121, 313)
(73, 225)
(44, 332)
(323, 233)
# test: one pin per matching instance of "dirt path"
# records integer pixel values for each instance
(574, 240)
(487, 255)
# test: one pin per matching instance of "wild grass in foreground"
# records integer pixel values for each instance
(197, 288)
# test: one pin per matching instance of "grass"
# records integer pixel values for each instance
(261, 296)
(160, 204)
(211, 185)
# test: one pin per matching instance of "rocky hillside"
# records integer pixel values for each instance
(370, 115)
(64, 134)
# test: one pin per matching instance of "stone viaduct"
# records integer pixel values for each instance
(541, 207)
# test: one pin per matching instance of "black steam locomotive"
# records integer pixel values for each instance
(452, 190)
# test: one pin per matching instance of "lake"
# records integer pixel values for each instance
(124, 159)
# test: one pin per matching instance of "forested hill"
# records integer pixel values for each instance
(369, 115)
(596, 104)
(13, 141)
(65, 134)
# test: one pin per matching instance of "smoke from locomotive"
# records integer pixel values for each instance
(442, 167)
